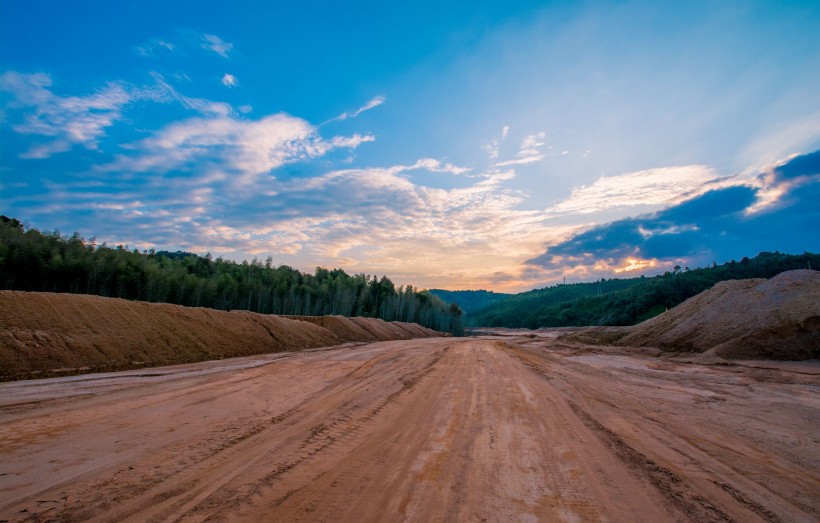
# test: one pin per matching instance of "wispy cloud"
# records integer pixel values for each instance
(200, 105)
(227, 147)
(372, 103)
(155, 47)
(66, 121)
(492, 148)
(528, 153)
(229, 80)
(217, 45)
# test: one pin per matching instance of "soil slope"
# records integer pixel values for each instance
(44, 334)
(777, 318)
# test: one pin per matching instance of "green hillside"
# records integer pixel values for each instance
(626, 301)
(470, 301)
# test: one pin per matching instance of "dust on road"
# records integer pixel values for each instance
(442, 429)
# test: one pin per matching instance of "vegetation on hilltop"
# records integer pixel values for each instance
(627, 301)
(31, 260)
(470, 301)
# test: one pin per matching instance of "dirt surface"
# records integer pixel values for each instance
(441, 429)
(776, 319)
(46, 334)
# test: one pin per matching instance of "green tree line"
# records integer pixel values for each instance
(31, 260)
(627, 301)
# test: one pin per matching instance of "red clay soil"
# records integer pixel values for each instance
(46, 334)
(368, 330)
(439, 429)
(777, 318)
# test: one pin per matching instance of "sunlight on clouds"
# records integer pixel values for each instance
(635, 264)
(654, 187)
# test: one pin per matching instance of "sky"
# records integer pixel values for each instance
(460, 145)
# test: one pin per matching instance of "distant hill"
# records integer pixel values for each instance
(470, 301)
(626, 301)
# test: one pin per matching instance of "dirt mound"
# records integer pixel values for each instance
(369, 329)
(46, 334)
(777, 318)
(341, 326)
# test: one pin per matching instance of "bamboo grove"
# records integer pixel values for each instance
(31, 260)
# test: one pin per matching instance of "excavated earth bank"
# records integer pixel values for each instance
(777, 319)
(47, 334)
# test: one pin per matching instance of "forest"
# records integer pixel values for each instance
(627, 301)
(34, 260)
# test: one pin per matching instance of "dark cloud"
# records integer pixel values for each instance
(804, 165)
(713, 226)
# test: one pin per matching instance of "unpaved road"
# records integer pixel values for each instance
(477, 429)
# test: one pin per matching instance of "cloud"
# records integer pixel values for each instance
(528, 153)
(155, 46)
(200, 105)
(651, 187)
(434, 165)
(712, 225)
(492, 148)
(229, 80)
(66, 121)
(221, 146)
(372, 103)
(217, 45)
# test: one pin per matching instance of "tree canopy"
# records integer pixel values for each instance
(32, 260)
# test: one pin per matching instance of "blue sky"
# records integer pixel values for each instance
(502, 145)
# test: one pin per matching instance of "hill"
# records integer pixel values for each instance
(629, 301)
(778, 318)
(45, 334)
(470, 301)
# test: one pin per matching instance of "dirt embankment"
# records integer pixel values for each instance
(367, 330)
(46, 334)
(778, 319)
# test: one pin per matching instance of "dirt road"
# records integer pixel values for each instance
(477, 429)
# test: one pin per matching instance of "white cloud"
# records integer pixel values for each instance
(222, 145)
(200, 105)
(663, 186)
(67, 121)
(528, 153)
(531, 144)
(153, 46)
(493, 147)
(217, 45)
(374, 102)
(229, 80)
(434, 165)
